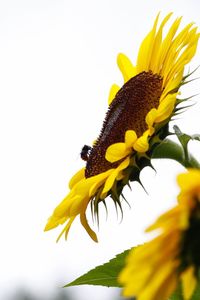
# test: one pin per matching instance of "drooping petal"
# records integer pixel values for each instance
(85, 224)
(66, 229)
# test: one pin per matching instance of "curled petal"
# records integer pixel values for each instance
(116, 152)
(130, 138)
(142, 144)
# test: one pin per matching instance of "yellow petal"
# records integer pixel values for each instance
(53, 222)
(145, 51)
(167, 288)
(150, 119)
(172, 84)
(126, 67)
(66, 229)
(113, 91)
(153, 289)
(189, 282)
(185, 57)
(111, 179)
(130, 138)
(64, 206)
(142, 144)
(77, 177)
(97, 184)
(176, 47)
(157, 44)
(166, 44)
(166, 108)
(85, 224)
(116, 152)
(190, 180)
(76, 206)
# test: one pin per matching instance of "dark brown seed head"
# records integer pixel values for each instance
(127, 112)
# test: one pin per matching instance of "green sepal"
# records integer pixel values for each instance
(179, 101)
(104, 275)
(190, 73)
(184, 140)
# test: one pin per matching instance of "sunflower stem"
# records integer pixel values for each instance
(170, 150)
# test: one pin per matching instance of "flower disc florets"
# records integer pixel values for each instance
(127, 112)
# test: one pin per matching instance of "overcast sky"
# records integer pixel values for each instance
(57, 62)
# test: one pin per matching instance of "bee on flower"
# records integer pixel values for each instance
(136, 121)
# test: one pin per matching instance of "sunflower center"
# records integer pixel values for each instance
(127, 112)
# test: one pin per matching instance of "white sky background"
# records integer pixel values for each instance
(57, 62)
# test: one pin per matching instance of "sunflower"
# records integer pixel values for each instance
(136, 120)
(155, 269)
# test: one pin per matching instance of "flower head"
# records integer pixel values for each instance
(136, 120)
(154, 270)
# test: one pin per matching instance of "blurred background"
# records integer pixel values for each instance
(57, 62)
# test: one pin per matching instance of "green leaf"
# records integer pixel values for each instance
(105, 275)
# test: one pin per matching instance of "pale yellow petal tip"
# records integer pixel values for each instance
(50, 225)
(47, 227)
(53, 222)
